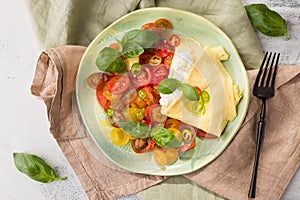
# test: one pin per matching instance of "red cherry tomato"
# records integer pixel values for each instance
(143, 79)
(154, 115)
(204, 135)
(150, 96)
(129, 96)
(145, 57)
(149, 26)
(168, 59)
(140, 145)
(173, 40)
(159, 73)
(104, 102)
(162, 49)
(187, 147)
(118, 84)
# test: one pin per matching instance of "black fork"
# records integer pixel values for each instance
(263, 89)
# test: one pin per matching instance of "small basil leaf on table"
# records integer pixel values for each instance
(167, 86)
(35, 167)
(189, 92)
(164, 138)
(266, 21)
(136, 129)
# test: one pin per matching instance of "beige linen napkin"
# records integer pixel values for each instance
(229, 175)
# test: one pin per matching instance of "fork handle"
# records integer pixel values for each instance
(260, 132)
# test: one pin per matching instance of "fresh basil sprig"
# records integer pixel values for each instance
(161, 136)
(164, 138)
(266, 21)
(109, 60)
(35, 167)
(168, 86)
(131, 45)
(136, 129)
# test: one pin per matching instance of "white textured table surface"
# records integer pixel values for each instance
(23, 123)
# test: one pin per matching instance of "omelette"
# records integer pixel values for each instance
(202, 67)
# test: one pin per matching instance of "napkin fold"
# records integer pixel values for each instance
(228, 176)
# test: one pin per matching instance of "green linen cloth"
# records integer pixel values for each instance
(77, 22)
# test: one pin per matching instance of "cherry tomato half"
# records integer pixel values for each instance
(143, 79)
(173, 40)
(103, 101)
(140, 145)
(204, 135)
(163, 23)
(149, 26)
(119, 137)
(162, 49)
(118, 84)
(159, 73)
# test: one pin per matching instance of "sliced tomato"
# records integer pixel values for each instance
(162, 49)
(187, 147)
(115, 46)
(188, 132)
(129, 96)
(168, 60)
(173, 40)
(145, 57)
(118, 84)
(204, 135)
(103, 101)
(159, 73)
(140, 145)
(118, 116)
(154, 115)
(149, 26)
(172, 123)
(163, 23)
(150, 96)
(143, 79)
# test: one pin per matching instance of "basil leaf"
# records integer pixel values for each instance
(135, 129)
(144, 38)
(108, 60)
(132, 50)
(164, 138)
(35, 167)
(189, 92)
(266, 21)
(167, 86)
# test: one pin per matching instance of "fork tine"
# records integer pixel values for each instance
(260, 70)
(275, 71)
(268, 84)
(262, 81)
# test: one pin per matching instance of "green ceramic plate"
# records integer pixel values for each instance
(191, 25)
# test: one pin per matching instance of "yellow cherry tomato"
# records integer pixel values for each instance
(177, 133)
(119, 137)
(172, 123)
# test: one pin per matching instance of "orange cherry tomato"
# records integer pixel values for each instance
(163, 23)
(172, 123)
